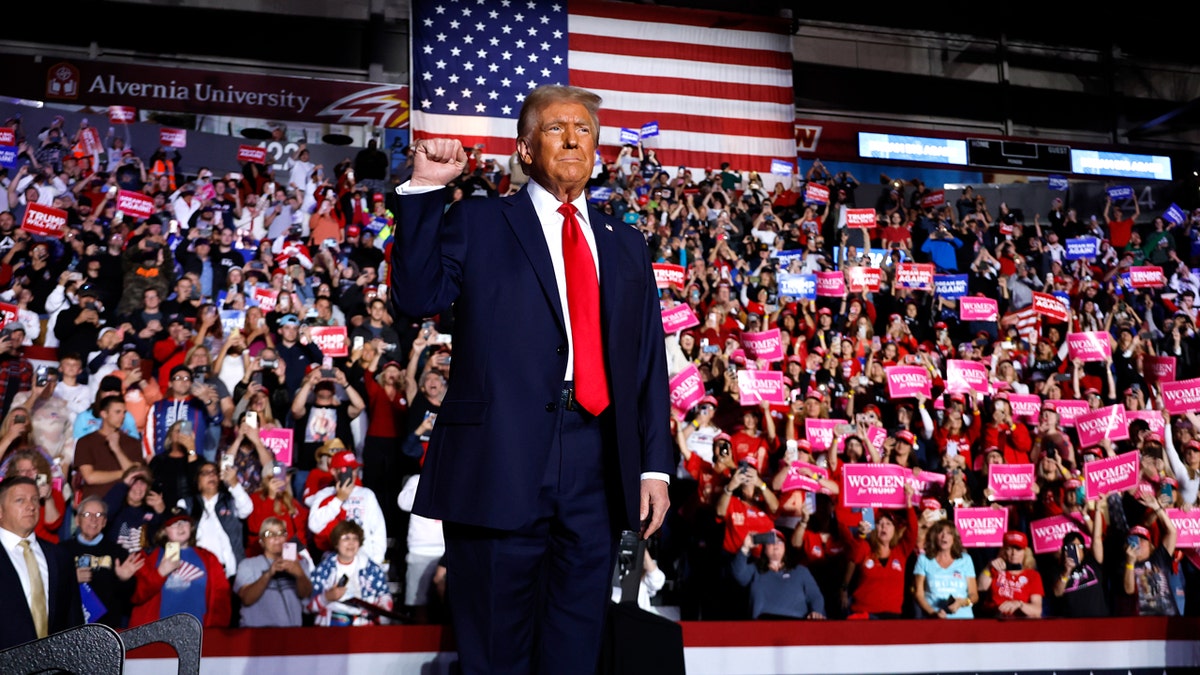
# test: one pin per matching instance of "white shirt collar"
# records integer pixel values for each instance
(545, 203)
(10, 540)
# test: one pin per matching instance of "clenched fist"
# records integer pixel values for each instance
(437, 161)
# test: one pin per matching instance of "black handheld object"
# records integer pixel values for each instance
(343, 581)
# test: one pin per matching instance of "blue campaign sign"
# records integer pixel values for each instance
(599, 195)
(1083, 247)
(799, 286)
(1120, 193)
(650, 129)
(1065, 298)
(1174, 214)
(781, 167)
(1058, 183)
(8, 156)
(630, 136)
(784, 258)
(950, 285)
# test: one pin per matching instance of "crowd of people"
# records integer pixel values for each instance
(185, 344)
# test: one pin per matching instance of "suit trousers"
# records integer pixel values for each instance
(533, 600)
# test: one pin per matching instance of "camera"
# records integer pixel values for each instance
(270, 364)
(764, 538)
(43, 376)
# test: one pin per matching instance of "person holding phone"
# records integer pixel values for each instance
(1145, 584)
(778, 590)
(348, 500)
(274, 585)
(180, 577)
(346, 575)
(1078, 584)
(220, 506)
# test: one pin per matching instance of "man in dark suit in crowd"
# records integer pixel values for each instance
(38, 592)
(554, 432)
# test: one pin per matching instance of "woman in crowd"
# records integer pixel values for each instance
(274, 499)
(347, 574)
(777, 589)
(875, 578)
(945, 576)
(180, 577)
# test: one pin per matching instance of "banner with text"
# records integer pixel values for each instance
(908, 381)
(677, 318)
(874, 485)
(981, 526)
(971, 308)
(1011, 482)
(1110, 474)
(1048, 533)
(686, 388)
(1181, 396)
(756, 386)
(1089, 346)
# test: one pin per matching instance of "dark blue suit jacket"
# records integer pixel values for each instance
(488, 257)
(66, 609)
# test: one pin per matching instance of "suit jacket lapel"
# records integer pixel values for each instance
(52, 573)
(10, 580)
(518, 211)
(610, 280)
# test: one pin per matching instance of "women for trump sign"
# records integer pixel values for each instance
(1011, 482)
(1111, 474)
(874, 485)
(981, 526)
(908, 381)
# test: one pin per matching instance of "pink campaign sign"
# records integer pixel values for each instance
(819, 432)
(980, 526)
(1090, 346)
(874, 485)
(686, 388)
(966, 377)
(978, 309)
(1069, 410)
(926, 484)
(908, 381)
(1108, 422)
(766, 345)
(757, 386)
(1187, 523)
(1158, 369)
(876, 436)
(804, 476)
(678, 318)
(279, 442)
(1111, 474)
(1181, 396)
(1026, 407)
(1011, 482)
(1048, 533)
(1152, 417)
(831, 284)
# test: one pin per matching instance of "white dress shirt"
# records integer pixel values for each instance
(12, 546)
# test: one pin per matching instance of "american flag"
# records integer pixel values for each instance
(718, 85)
(1028, 323)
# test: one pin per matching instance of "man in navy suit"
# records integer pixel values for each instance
(56, 593)
(554, 432)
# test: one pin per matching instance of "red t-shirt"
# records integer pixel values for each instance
(1119, 232)
(742, 519)
(1019, 585)
(747, 447)
(386, 415)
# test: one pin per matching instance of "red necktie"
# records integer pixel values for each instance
(583, 303)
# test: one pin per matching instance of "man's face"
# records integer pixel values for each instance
(92, 520)
(561, 148)
(181, 384)
(184, 289)
(150, 299)
(19, 510)
(114, 415)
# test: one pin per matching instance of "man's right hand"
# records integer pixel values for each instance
(437, 161)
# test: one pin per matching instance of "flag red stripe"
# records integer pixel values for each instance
(650, 84)
(691, 17)
(695, 123)
(651, 49)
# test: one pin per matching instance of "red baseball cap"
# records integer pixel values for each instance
(353, 231)
(815, 393)
(707, 400)
(906, 436)
(930, 504)
(1139, 531)
(1016, 539)
(344, 460)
